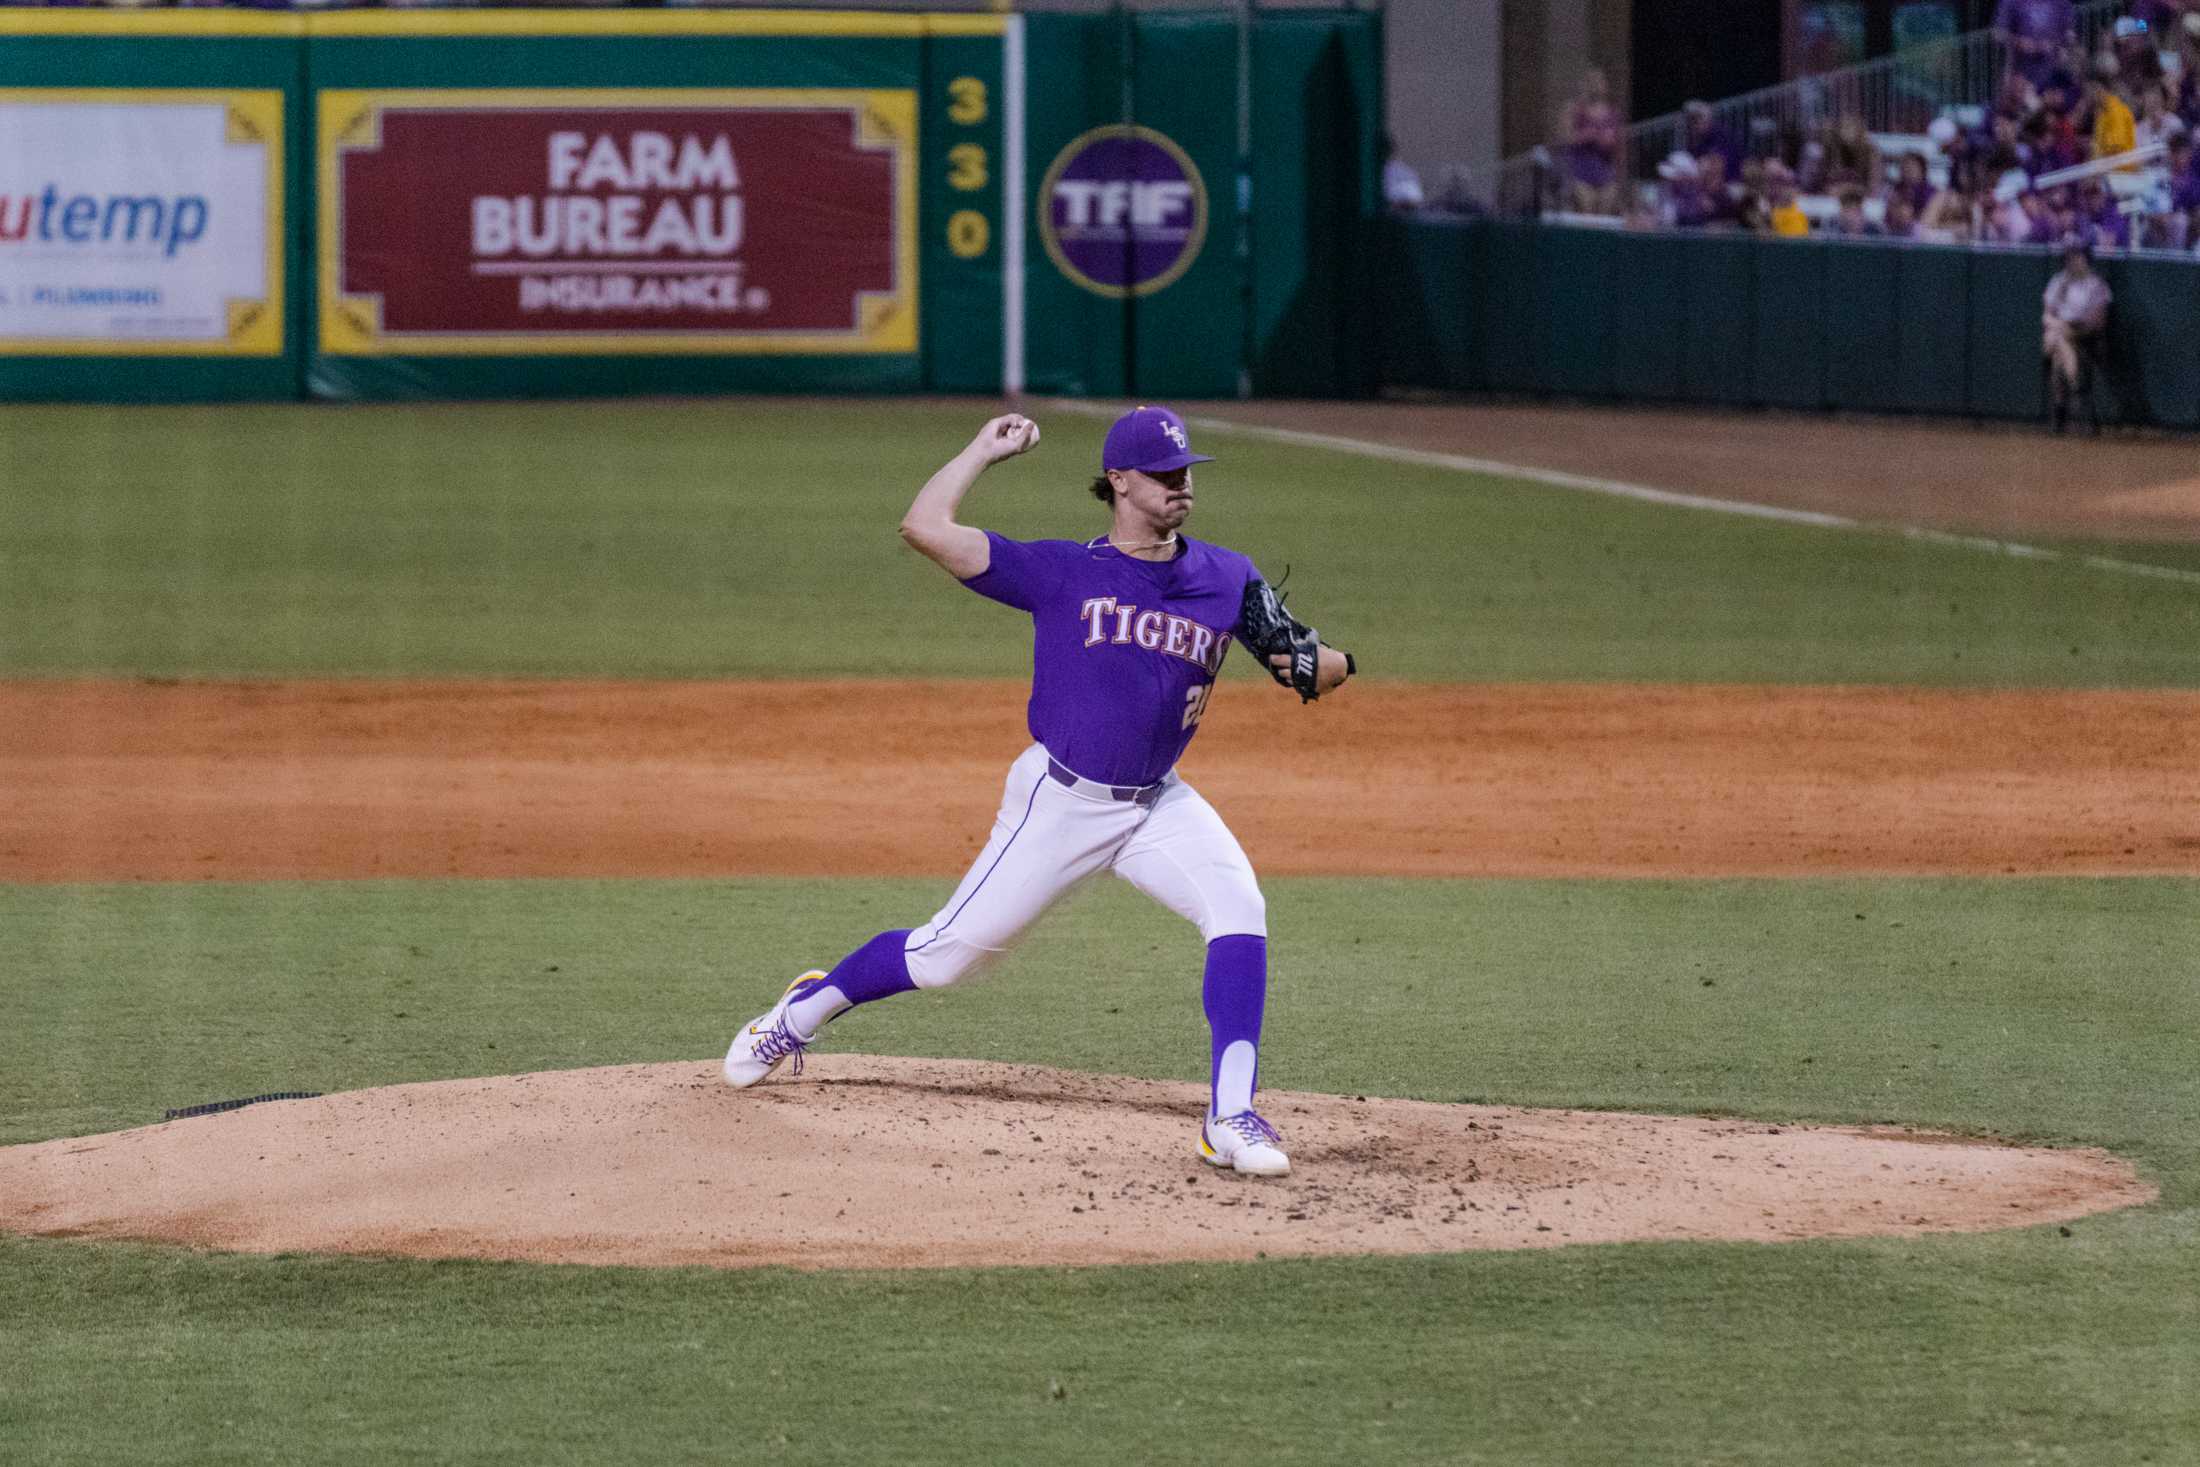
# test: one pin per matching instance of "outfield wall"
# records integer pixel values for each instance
(377, 204)
(1736, 321)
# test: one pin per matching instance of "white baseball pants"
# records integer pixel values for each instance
(1049, 836)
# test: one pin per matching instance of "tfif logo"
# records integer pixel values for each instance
(1123, 211)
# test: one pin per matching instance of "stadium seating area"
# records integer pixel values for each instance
(2081, 142)
(2094, 147)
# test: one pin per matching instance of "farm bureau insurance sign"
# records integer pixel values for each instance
(583, 222)
(1123, 211)
(141, 222)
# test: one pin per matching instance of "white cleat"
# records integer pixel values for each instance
(1243, 1142)
(768, 1040)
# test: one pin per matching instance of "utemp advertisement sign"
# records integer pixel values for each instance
(141, 222)
(587, 221)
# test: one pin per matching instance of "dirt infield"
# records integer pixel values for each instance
(886, 1163)
(149, 782)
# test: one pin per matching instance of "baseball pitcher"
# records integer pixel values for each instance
(1129, 631)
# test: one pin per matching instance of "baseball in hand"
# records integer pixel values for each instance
(1009, 435)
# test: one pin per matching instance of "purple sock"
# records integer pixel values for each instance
(1235, 992)
(878, 969)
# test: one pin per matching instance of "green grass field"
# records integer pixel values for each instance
(753, 540)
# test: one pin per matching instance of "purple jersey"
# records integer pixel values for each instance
(1123, 650)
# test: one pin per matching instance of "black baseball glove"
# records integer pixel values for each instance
(1266, 629)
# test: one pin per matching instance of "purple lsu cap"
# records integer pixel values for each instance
(1151, 439)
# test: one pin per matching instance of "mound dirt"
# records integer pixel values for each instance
(310, 780)
(895, 1163)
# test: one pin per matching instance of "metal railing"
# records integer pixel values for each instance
(1901, 93)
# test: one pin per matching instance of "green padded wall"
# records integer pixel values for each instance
(1188, 340)
(1429, 304)
(1718, 281)
(1519, 307)
(1650, 310)
(1933, 307)
(1788, 342)
(961, 110)
(1575, 289)
(1317, 98)
(2004, 334)
(1860, 304)
(1512, 330)
(2154, 340)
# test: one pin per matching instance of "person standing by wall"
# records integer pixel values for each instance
(2074, 312)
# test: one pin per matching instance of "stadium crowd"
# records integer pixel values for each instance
(1985, 173)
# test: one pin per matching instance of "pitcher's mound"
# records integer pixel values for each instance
(897, 1163)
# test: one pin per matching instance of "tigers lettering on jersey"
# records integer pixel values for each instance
(1122, 624)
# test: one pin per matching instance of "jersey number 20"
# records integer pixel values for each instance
(1195, 702)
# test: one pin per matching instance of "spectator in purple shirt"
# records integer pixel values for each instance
(2039, 218)
(1702, 132)
(1686, 205)
(1592, 146)
(2101, 223)
(2007, 222)
(2035, 33)
(2184, 174)
(2186, 100)
(2181, 225)
(1911, 184)
(1719, 196)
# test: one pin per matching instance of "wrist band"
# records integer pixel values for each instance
(1351, 668)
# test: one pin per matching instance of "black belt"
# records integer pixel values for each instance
(1136, 794)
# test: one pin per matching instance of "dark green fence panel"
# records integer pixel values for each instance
(1649, 292)
(1932, 308)
(1718, 283)
(1787, 342)
(1861, 323)
(1429, 275)
(1524, 308)
(1317, 98)
(1513, 336)
(1577, 273)
(1075, 340)
(2154, 340)
(1187, 339)
(961, 144)
(2004, 336)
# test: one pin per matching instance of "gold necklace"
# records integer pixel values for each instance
(1143, 544)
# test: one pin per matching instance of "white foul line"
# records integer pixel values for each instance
(1620, 489)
